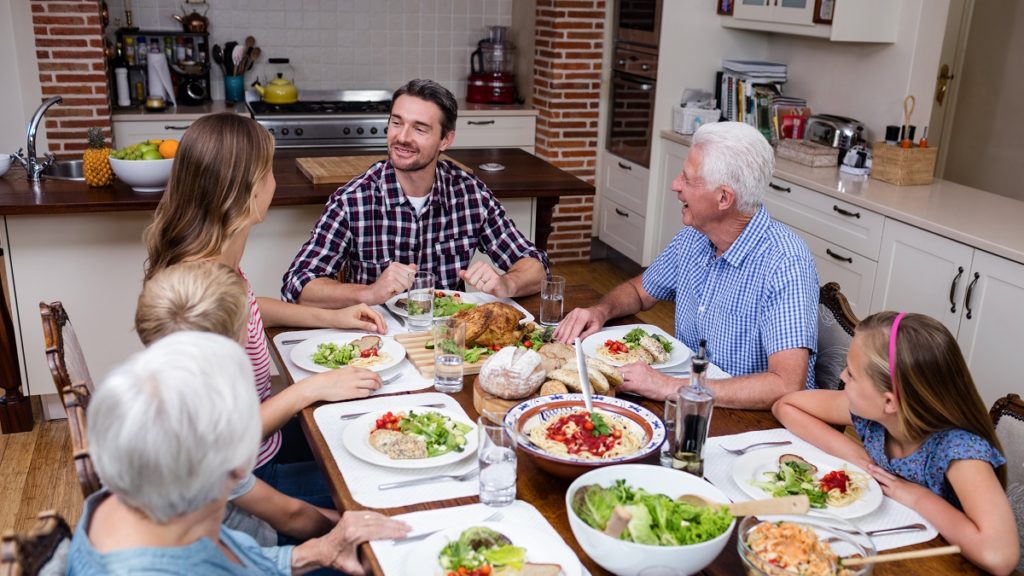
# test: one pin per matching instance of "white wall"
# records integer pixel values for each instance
(18, 66)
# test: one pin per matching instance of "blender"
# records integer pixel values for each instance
(492, 79)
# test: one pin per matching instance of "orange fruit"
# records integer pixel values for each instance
(168, 148)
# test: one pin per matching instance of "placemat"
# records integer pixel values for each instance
(718, 470)
(363, 478)
(392, 556)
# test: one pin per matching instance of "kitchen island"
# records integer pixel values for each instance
(82, 246)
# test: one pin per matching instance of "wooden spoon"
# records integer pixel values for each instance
(798, 504)
(878, 558)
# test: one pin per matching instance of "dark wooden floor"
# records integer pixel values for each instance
(36, 472)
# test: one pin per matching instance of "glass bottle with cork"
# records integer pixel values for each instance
(693, 417)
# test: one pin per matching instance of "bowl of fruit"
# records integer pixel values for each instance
(145, 166)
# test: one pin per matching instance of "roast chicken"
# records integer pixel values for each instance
(492, 324)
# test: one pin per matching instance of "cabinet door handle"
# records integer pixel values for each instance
(621, 213)
(624, 166)
(480, 122)
(967, 298)
(846, 212)
(838, 256)
(169, 127)
(775, 186)
(952, 289)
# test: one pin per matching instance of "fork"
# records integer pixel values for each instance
(495, 517)
(355, 415)
(745, 449)
(429, 480)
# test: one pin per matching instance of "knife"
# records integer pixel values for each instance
(396, 316)
(581, 366)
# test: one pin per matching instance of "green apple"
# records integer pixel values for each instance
(152, 154)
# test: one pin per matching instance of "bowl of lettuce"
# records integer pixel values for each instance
(661, 532)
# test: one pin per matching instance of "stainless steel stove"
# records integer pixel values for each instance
(349, 118)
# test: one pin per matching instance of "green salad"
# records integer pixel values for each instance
(656, 519)
(446, 305)
(442, 434)
(793, 478)
(632, 338)
(478, 547)
(334, 355)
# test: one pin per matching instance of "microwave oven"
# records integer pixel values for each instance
(638, 21)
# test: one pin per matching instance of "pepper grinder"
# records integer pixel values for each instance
(695, 404)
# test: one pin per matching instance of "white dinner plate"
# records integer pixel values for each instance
(751, 467)
(302, 353)
(467, 297)
(356, 440)
(540, 548)
(680, 353)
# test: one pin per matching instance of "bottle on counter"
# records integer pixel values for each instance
(129, 50)
(179, 50)
(141, 50)
(694, 405)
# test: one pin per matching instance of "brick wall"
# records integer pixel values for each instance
(567, 91)
(69, 49)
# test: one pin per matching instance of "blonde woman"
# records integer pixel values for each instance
(221, 186)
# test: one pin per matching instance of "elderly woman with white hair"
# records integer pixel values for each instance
(740, 280)
(171, 431)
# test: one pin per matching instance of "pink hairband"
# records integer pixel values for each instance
(892, 353)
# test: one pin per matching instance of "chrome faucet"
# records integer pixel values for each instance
(33, 167)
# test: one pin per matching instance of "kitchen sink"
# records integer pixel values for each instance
(64, 170)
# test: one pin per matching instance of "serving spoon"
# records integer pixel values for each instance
(879, 558)
(798, 504)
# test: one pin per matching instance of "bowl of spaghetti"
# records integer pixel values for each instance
(563, 439)
(811, 545)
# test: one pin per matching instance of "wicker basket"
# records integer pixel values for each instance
(903, 166)
(807, 153)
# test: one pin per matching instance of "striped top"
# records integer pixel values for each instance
(259, 355)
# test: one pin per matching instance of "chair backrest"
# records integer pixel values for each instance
(63, 351)
(836, 323)
(1008, 418)
(42, 551)
(76, 402)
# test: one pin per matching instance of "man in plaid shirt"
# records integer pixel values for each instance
(740, 280)
(412, 212)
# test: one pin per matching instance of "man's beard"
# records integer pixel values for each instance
(413, 164)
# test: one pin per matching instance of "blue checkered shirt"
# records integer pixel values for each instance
(369, 223)
(759, 297)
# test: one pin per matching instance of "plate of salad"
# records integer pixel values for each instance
(647, 343)
(830, 484)
(448, 302)
(488, 548)
(338, 349)
(411, 438)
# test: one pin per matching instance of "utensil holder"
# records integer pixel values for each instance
(234, 89)
(903, 166)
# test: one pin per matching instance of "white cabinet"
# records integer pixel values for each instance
(128, 132)
(979, 297)
(666, 205)
(622, 188)
(852, 21)
(496, 131)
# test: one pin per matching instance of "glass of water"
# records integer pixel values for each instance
(669, 418)
(552, 292)
(497, 459)
(449, 351)
(420, 302)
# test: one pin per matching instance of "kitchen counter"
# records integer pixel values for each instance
(174, 113)
(984, 220)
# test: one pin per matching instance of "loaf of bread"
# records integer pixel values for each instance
(512, 373)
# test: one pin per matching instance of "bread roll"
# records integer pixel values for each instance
(561, 352)
(512, 373)
(571, 379)
(611, 373)
(552, 387)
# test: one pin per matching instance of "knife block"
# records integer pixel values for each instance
(903, 166)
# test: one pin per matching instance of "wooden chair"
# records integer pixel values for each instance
(71, 376)
(836, 323)
(46, 546)
(1008, 418)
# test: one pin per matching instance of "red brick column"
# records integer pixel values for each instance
(567, 92)
(69, 49)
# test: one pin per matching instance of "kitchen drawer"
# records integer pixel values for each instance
(495, 131)
(622, 229)
(128, 133)
(624, 183)
(835, 221)
(854, 273)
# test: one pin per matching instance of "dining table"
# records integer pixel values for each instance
(547, 493)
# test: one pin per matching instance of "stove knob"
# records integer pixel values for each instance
(271, 130)
(373, 130)
(385, 129)
(359, 130)
(284, 131)
(298, 131)
(346, 131)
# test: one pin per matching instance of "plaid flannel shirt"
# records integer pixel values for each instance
(369, 223)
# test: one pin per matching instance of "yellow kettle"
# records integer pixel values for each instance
(278, 91)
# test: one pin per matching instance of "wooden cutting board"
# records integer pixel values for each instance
(423, 358)
(341, 169)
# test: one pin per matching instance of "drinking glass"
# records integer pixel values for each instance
(449, 351)
(669, 418)
(552, 292)
(420, 302)
(496, 457)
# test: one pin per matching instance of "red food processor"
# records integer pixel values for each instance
(492, 64)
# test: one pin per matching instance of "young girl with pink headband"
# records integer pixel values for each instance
(926, 436)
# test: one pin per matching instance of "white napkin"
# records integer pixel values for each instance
(159, 77)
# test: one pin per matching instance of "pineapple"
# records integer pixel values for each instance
(95, 162)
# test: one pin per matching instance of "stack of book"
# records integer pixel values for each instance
(748, 88)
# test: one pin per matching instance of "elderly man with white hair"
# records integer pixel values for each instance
(171, 431)
(740, 280)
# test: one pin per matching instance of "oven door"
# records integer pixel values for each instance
(631, 118)
(638, 21)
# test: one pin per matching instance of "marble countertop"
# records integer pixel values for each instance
(984, 220)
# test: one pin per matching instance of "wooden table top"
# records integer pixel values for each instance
(547, 492)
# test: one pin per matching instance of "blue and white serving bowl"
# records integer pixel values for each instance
(526, 415)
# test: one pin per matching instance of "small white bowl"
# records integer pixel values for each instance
(143, 175)
(629, 558)
(5, 163)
